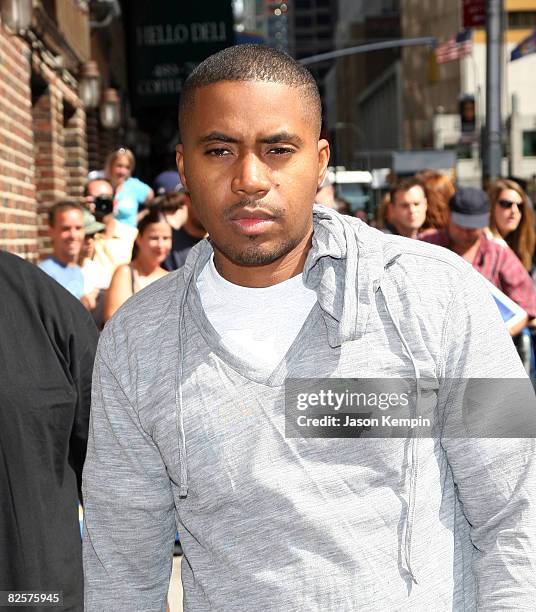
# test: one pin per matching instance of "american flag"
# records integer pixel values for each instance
(455, 47)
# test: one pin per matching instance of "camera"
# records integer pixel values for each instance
(103, 206)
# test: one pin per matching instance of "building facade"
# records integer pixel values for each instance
(432, 100)
(363, 114)
(43, 123)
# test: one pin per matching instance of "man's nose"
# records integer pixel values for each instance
(252, 177)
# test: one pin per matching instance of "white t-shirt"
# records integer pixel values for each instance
(256, 324)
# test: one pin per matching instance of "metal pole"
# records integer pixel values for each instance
(493, 159)
(376, 46)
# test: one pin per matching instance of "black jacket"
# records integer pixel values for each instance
(47, 347)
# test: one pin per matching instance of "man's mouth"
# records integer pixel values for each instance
(252, 221)
(255, 213)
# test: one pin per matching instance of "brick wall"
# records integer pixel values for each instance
(43, 149)
(100, 142)
(18, 208)
(76, 158)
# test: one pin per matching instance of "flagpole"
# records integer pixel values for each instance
(494, 35)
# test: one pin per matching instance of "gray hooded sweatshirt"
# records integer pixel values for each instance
(185, 435)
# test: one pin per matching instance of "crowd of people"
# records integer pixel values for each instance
(121, 238)
(493, 230)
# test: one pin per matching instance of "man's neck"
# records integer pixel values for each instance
(267, 275)
(404, 231)
(65, 260)
(468, 254)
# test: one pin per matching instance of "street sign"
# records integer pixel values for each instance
(166, 40)
(474, 13)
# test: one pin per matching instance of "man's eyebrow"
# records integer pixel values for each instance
(218, 136)
(282, 137)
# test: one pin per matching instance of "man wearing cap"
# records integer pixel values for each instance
(187, 228)
(469, 210)
(167, 182)
(92, 271)
(184, 238)
(170, 198)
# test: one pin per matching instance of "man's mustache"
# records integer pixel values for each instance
(251, 204)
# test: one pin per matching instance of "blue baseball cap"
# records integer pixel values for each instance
(167, 182)
(469, 208)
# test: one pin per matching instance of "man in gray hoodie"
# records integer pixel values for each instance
(188, 424)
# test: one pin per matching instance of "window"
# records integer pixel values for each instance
(529, 143)
(303, 22)
(463, 150)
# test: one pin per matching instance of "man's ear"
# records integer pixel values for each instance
(179, 157)
(323, 159)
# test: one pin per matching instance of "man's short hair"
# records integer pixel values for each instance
(96, 180)
(60, 207)
(251, 63)
(405, 185)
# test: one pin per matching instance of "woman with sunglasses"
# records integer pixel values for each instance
(512, 219)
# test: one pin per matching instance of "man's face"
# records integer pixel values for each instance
(251, 161)
(67, 234)
(98, 189)
(463, 238)
(408, 211)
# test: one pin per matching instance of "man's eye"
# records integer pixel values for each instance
(218, 152)
(282, 150)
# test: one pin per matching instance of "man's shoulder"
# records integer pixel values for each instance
(181, 239)
(504, 259)
(24, 281)
(52, 265)
(435, 236)
(498, 248)
(48, 264)
(14, 266)
(422, 254)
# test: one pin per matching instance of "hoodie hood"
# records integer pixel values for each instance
(345, 267)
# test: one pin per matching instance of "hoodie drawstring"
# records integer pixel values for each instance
(413, 462)
(183, 468)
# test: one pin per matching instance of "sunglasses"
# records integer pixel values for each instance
(507, 204)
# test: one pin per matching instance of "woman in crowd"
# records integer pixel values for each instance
(438, 189)
(512, 219)
(129, 192)
(152, 246)
(382, 218)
